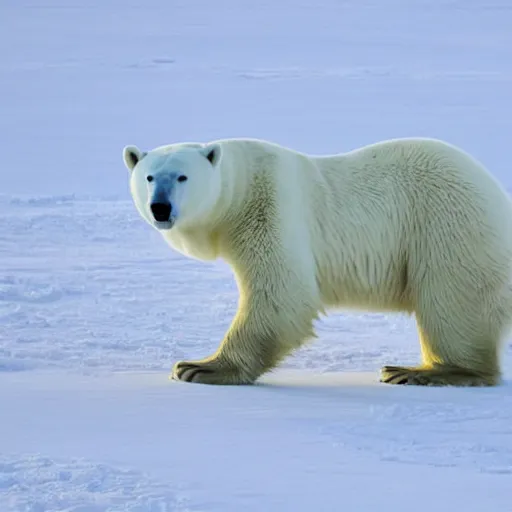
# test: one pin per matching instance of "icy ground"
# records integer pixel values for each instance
(95, 308)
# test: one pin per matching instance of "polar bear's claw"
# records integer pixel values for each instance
(188, 371)
(441, 375)
(207, 372)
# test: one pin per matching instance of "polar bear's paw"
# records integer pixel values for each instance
(436, 376)
(209, 371)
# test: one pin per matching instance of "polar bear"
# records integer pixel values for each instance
(410, 225)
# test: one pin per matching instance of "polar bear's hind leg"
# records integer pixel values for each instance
(460, 339)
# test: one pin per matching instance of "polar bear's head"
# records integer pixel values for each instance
(175, 185)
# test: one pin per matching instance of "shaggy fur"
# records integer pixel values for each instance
(407, 225)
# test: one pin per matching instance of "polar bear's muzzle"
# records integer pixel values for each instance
(162, 214)
(160, 205)
(161, 211)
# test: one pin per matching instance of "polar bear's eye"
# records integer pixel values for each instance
(150, 178)
(182, 178)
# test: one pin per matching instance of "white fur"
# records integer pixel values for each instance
(413, 225)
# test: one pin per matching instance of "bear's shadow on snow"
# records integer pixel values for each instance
(354, 383)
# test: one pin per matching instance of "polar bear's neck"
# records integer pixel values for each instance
(199, 244)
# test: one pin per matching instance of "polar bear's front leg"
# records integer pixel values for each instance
(263, 332)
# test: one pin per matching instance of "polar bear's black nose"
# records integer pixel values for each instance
(161, 211)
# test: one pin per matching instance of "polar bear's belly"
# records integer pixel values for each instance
(367, 283)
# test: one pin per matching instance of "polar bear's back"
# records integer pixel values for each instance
(391, 213)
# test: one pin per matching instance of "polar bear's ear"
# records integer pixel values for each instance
(212, 153)
(131, 156)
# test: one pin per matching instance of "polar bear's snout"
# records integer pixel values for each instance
(161, 211)
(160, 204)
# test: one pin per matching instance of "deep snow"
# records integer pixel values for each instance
(95, 308)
